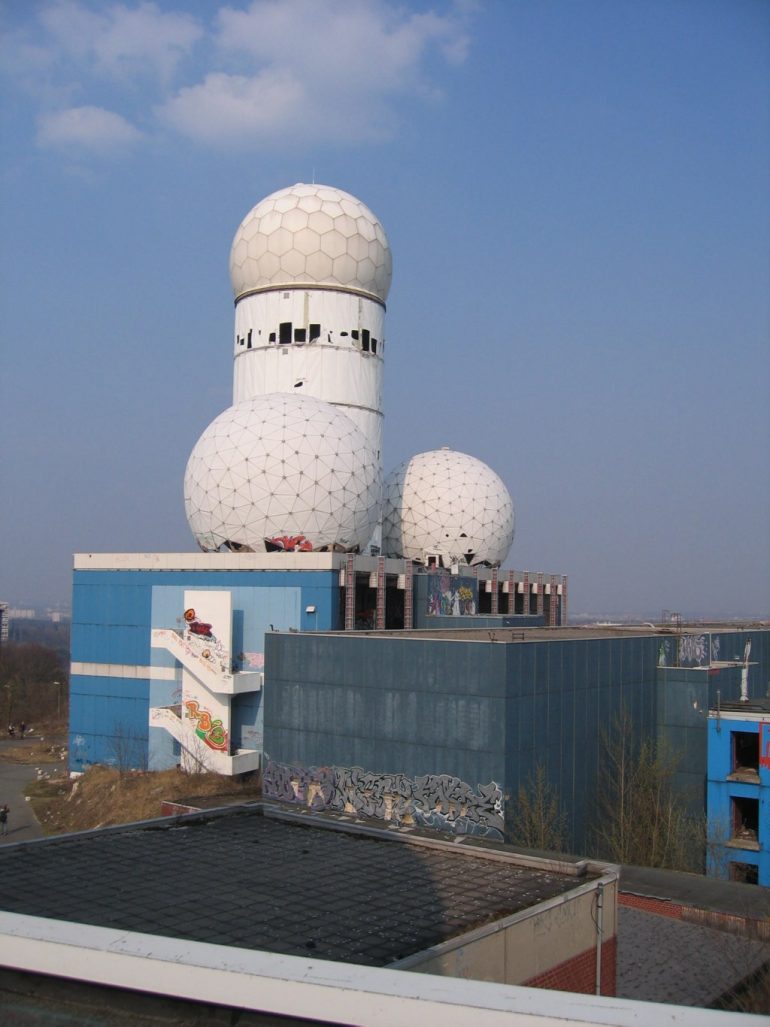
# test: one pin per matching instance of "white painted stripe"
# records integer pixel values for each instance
(123, 670)
(339, 993)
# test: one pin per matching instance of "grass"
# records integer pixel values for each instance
(104, 796)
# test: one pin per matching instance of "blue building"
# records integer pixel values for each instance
(739, 791)
(160, 640)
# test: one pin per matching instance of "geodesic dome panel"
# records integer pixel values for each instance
(282, 472)
(446, 504)
(314, 234)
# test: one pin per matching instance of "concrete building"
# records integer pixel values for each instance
(168, 649)
(738, 799)
(442, 728)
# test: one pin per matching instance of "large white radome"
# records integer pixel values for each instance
(314, 234)
(282, 465)
(448, 504)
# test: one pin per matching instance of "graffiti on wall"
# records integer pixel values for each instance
(694, 651)
(689, 651)
(210, 731)
(439, 801)
(200, 641)
(448, 597)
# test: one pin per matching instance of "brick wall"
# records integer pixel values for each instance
(579, 973)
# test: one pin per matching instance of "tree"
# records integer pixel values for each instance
(537, 820)
(31, 677)
(641, 821)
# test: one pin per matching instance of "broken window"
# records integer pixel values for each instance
(284, 333)
(746, 873)
(745, 750)
(745, 821)
(315, 332)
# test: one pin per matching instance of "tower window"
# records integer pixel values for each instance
(354, 335)
(248, 341)
(315, 332)
(300, 334)
(374, 345)
(365, 340)
(271, 337)
(284, 333)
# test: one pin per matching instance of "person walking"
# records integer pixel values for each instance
(4, 811)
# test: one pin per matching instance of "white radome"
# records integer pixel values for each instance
(450, 505)
(282, 466)
(311, 234)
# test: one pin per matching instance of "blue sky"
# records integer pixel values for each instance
(576, 196)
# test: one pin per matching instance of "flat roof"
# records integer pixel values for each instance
(198, 561)
(546, 634)
(260, 878)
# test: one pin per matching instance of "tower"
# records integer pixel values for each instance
(295, 463)
(311, 268)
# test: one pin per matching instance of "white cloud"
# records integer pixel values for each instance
(86, 128)
(262, 72)
(312, 69)
(119, 41)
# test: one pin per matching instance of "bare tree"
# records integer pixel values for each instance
(640, 820)
(538, 822)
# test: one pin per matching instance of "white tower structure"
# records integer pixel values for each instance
(311, 268)
(295, 463)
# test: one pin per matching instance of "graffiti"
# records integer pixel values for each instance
(439, 801)
(195, 626)
(715, 646)
(211, 732)
(288, 544)
(447, 598)
(693, 650)
(253, 661)
(200, 641)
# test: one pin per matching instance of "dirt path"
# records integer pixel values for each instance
(14, 778)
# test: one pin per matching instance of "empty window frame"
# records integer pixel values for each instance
(374, 345)
(746, 873)
(365, 340)
(248, 340)
(271, 337)
(353, 334)
(300, 334)
(745, 750)
(315, 332)
(745, 818)
(284, 333)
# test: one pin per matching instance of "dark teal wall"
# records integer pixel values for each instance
(480, 711)
(398, 705)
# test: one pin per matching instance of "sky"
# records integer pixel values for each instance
(576, 198)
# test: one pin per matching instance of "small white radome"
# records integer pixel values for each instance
(449, 505)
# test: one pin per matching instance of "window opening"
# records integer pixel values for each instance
(284, 333)
(300, 334)
(746, 821)
(365, 340)
(271, 337)
(343, 333)
(374, 345)
(746, 873)
(315, 332)
(354, 335)
(746, 750)
(248, 340)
